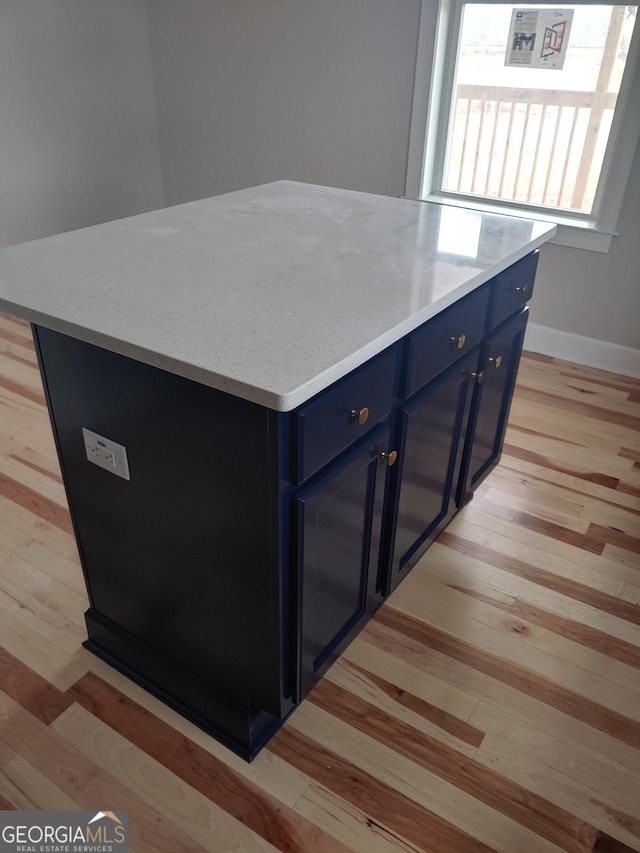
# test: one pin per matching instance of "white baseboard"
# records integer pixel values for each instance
(588, 351)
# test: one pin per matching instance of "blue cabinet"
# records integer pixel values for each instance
(250, 546)
(447, 425)
(491, 403)
(430, 436)
(339, 528)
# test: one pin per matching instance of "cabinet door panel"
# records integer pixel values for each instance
(432, 428)
(339, 522)
(491, 404)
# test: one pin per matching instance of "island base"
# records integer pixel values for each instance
(242, 729)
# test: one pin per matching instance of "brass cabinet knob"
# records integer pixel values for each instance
(360, 415)
(390, 457)
(459, 341)
(496, 362)
(479, 377)
(522, 289)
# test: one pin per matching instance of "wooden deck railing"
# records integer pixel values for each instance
(533, 145)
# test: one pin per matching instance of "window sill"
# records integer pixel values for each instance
(573, 233)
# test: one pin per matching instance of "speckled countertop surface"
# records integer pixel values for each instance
(270, 293)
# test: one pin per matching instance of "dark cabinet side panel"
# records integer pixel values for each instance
(183, 556)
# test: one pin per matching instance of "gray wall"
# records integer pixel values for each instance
(593, 294)
(78, 132)
(251, 91)
(248, 91)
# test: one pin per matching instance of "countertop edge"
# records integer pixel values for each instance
(284, 400)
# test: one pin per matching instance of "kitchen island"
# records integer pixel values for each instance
(266, 406)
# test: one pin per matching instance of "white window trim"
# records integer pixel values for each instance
(594, 233)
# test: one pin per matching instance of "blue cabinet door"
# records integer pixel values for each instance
(491, 404)
(339, 517)
(432, 427)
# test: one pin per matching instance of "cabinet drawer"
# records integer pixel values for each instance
(344, 413)
(445, 338)
(513, 288)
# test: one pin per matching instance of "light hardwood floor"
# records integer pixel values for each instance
(493, 704)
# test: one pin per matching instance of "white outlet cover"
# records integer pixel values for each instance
(106, 453)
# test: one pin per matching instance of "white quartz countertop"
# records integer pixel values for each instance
(271, 293)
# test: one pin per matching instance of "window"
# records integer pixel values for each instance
(533, 110)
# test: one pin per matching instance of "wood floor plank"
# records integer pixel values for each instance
(267, 817)
(581, 470)
(574, 506)
(621, 555)
(613, 723)
(20, 451)
(593, 772)
(567, 370)
(86, 782)
(24, 378)
(564, 483)
(505, 718)
(578, 632)
(15, 323)
(36, 503)
(30, 690)
(354, 828)
(580, 389)
(570, 457)
(29, 789)
(32, 641)
(606, 844)
(398, 814)
(404, 705)
(12, 352)
(629, 384)
(47, 535)
(9, 332)
(271, 774)
(5, 804)
(610, 586)
(533, 709)
(436, 692)
(531, 419)
(24, 421)
(53, 602)
(31, 477)
(561, 637)
(546, 506)
(420, 806)
(631, 420)
(482, 623)
(454, 567)
(22, 390)
(6, 754)
(537, 814)
(550, 529)
(514, 765)
(192, 812)
(613, 536)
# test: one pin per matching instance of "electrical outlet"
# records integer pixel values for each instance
(106, 454)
